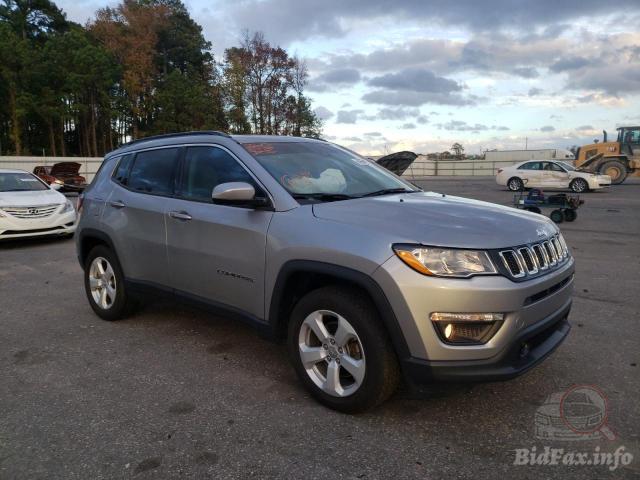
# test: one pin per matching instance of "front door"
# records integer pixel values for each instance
(216, 252)
(555, 176)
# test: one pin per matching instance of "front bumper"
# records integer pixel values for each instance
(55, 224)
(528, 348)
(529, 307)
(599, 182)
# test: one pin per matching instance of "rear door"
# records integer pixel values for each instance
(135, 211)
(216, 252)
(531, 174)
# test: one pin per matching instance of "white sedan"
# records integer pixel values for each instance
(29, 207)
(549, 174)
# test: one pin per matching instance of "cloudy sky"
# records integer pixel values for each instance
(422, 74)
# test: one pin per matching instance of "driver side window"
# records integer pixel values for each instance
(205, 168)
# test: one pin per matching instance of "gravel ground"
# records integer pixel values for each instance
(176, 393)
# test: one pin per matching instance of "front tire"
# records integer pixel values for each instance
(515, 184)
(570, 215)
(340, 351)
(616, 170)
(104, 285)
(579, 185)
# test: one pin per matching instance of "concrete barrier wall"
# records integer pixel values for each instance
(421, 167)
(88, 169)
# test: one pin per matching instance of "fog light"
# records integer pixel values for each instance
(466, 328)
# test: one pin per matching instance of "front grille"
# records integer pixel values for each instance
(532, 259)
(40, 211)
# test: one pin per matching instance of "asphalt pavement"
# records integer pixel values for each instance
(176, 393)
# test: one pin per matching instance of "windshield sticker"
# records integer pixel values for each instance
(260, 148)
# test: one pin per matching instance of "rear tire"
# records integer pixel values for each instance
(104, 285)
(515, 184)
(557, 216)
(616, 170)
(343, 313)
(579, 185)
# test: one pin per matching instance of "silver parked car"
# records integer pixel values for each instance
(367, 277)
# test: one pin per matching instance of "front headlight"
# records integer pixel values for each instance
(445, 262)
(68, 207)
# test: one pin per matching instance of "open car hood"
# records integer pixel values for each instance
(66, 169)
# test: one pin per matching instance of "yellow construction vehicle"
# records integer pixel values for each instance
(617, 159)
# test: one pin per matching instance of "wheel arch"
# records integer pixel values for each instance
(298, 277)
(90, 238)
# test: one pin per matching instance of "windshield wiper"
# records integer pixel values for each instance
(388, 191)
(322, 196)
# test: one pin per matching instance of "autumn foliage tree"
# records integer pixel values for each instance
(139, 68)
(264, 88)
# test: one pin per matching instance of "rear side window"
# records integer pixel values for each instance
(120, 175)
(206, 167)
(530, 166)
(153, 171)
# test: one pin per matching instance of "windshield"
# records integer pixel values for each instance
(568, 166)
(324, 171)
(20, 182)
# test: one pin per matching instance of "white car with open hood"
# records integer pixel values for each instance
(29, 207)
(549, 174)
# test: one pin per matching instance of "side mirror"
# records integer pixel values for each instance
(237, 193)
(55, 186)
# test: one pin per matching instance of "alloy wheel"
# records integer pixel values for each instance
(331, 353)
(102, 282)
(515, 184)
(579, 186)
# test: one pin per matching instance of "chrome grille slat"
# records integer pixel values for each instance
(541, 257)
(551, 253)
(528, 260)
(558, 246)
(512, 262)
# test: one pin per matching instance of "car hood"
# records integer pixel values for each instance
(30, 199)
(435, 219)
(65, 169)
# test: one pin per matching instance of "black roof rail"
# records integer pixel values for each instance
(177, 134)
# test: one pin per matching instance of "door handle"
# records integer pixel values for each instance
(180, 215)
(117, 204)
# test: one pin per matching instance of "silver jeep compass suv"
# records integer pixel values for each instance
(367, 277)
